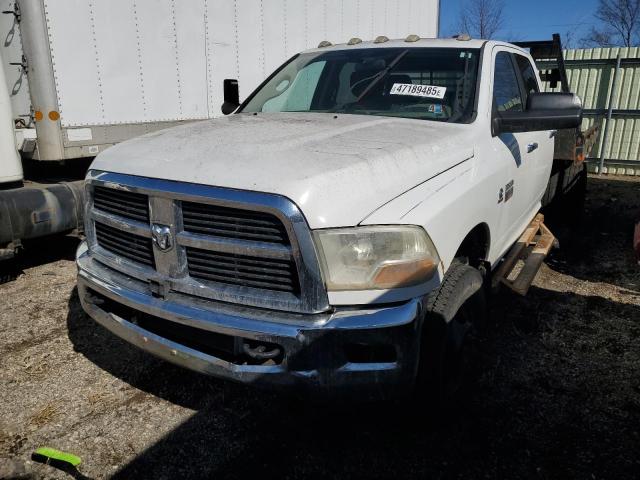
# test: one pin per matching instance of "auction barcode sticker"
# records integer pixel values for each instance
(414, 90)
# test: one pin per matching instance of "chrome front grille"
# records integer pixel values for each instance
(124, 244)
(271, 274)
(122, 203)
(248, 248)
(221, 221)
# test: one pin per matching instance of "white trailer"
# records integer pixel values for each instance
(102, 71)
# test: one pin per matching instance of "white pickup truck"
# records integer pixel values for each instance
(335, 233)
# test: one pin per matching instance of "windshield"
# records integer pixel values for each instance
(424, 83)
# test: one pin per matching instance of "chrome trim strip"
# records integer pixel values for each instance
(116, 221)
(367, 367)
(229, 321)
(133, 269)
(171, 263)
(239, 247)
(250, 296)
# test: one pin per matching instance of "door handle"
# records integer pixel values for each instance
(531, 147)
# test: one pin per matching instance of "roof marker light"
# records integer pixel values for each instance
(324, 43)
(412, 38)
(463, 37)
(354, 41)
(381, 39)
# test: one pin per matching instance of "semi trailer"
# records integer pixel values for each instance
(77, 77)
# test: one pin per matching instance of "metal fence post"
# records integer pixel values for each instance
(605, 134)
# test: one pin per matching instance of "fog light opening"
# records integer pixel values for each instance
(366, 353)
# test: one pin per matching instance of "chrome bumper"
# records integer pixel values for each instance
(314, 347)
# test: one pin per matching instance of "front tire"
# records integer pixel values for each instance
(453, 313)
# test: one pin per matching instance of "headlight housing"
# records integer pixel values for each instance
(376, 258)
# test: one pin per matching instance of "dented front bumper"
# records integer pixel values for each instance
(371, 351)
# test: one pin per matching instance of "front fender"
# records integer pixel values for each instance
(447, 206)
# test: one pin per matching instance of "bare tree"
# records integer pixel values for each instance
(482, 18)
(620, 21)
(597, 38)
(569, 39)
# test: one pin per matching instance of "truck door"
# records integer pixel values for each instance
(541, 143)
(515, 196)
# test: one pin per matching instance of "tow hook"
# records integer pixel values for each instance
(260, 352)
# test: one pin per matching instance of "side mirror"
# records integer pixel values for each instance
(231, 94)
(545, 111)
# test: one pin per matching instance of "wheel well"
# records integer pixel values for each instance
(475, 245)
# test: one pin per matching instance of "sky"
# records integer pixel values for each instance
(531, 19)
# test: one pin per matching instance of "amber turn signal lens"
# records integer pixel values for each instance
(53, 115)
(405, 274)
(37, 115)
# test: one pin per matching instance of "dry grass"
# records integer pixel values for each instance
(44, 415)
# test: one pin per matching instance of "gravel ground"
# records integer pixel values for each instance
(556, 394)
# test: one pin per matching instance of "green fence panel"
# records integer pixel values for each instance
(590, 73)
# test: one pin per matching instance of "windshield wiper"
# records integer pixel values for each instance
(379, 76)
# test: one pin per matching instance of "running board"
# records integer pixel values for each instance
(532, 247)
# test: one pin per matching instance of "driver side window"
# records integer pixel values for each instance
(528, 76)
(506, 88)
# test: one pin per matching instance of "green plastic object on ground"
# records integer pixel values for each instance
(48, 454)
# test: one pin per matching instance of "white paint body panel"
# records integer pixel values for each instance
(123, 62)
(349, 170)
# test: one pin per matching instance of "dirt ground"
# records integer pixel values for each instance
(557, 393)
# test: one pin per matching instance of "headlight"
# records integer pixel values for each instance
(376, 258)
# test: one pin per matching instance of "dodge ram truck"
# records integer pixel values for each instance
(337, 230)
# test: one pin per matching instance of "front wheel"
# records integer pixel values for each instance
(453, 313)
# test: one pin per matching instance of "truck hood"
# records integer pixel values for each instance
(336, 168)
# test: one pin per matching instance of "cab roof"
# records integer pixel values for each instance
(421, 43)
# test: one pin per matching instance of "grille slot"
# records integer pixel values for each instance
(256, 272)
(125, 244)
(214, 220)
(118, 202)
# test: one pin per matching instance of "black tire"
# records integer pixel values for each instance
(454, 312)
(8, 270)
